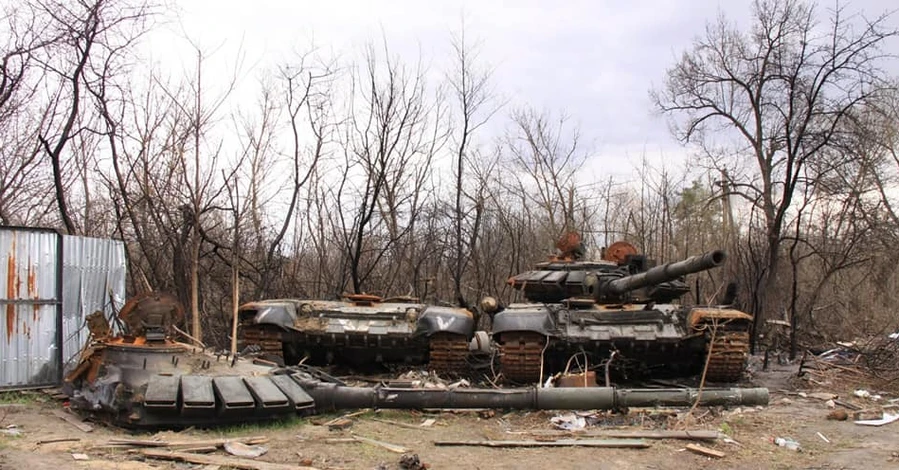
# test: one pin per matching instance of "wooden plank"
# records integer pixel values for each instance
(385, 445)
(231, 462)
(608, 443)
(58, 439)
(698, 449)
(695, 435)
(73, 420)
(195, 443)
(402, 425)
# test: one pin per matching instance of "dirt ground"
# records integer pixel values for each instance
(303, 442)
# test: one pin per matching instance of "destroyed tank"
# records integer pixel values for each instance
(618, 313)
(359, 330)
(140, 377)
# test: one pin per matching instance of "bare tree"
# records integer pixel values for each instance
(91, 34)
(390, 139)
(778, 93)
(474, 97)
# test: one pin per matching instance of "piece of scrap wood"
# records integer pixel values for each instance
(254, 440)
(386, 445)
(399, 424)
(232, 462)
(822, 437)
(428, 422)
(58, 439)
(847, 405)
(696, 435)
(698, 449)
(346, 416)
(609, 443)
(73, 420)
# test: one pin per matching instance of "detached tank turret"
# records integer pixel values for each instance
(617, 309)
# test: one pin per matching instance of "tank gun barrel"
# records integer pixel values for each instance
(666, 272)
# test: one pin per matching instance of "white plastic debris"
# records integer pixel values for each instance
(240, 449)
(887, 419)
(862, 393)
(569, 422)
(788, 443)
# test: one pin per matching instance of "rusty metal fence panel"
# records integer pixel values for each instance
(31, 333)
(93, 278)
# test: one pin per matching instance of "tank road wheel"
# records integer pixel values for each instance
(448, 353)
(729, 352)
(520, 355)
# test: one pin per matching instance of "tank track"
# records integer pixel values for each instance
(729, 352)
(521, 356)
(448, 353)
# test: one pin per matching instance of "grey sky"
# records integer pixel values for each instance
(596, 60)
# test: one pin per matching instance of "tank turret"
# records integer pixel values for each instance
(615, 287)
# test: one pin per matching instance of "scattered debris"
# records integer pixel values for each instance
(698, 449)
(428, 422)
(73, 420)
(80, 457)
(224, 461)
(607, 443)
(569, 422)
(788, 443)
(830, 404)
(11, 430)
(412, 462)
(242, 450)
(886, 419)
(838, 415)
(822, 437)
(385, 445)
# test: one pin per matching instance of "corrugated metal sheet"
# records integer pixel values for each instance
(93, 279)
(29, 335)
(51, 283)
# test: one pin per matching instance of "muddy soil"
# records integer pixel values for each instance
(303, 442)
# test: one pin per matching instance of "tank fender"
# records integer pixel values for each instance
(537, 319)
(436, 319)
(282, 315)
(700, 315)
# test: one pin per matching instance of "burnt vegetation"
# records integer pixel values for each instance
(373, 174)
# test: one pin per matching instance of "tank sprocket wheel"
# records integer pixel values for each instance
(448, 353)
(521, 356)
(729, 351)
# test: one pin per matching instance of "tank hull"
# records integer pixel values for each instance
(636, 340)
(358, 333)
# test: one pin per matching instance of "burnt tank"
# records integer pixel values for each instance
(620, 314)
(138, 376)
(359, 330)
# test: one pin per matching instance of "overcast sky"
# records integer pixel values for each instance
(595, 60)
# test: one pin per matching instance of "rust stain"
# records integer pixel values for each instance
(32, 290)
(11, 291)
